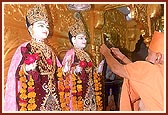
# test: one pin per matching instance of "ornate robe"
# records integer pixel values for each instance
(34, 90)
(79, 91)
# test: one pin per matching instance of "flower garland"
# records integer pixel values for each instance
(98, 90)
(64, 91)
(27, 92)
(61, 88)
(23, 95)
(75, 86)
(77, 93)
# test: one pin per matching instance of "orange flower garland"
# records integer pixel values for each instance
(27, 93)
(98, 92)
(61, 88)
(67, 92)
(23, 96)
(31, 95)
(64, 91)
(76, 90)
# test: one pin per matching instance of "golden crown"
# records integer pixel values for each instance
(37, 13)
(77, 28)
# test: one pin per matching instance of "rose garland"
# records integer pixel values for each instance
(97, 84)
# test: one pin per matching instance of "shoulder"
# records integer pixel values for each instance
(140, 68)
(140, 65)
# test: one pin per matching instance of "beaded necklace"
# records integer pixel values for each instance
(45, 53)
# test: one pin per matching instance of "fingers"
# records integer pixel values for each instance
(103, 46)
(113, 48)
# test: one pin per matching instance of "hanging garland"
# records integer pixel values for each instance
(76, 89)
(27, 92)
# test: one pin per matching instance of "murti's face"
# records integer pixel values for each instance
(40, 30)
(80, 41)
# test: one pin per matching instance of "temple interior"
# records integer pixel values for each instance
(127, 26)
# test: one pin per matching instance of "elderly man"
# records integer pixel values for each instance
(143, 86)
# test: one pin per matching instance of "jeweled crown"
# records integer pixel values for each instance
(37, 13)
(77, 28)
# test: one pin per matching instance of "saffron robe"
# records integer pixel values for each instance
(145, 82)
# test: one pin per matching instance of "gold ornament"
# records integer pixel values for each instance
(77, 28)
(37, 13)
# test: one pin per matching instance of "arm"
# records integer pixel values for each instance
(114, 65)
(120, 56)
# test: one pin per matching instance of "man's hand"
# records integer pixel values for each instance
(117, 53)
(104, 50)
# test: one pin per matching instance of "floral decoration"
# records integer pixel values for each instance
(85, 64)
(29, 56)
(77, 88)
(27, 92)
(98, 90)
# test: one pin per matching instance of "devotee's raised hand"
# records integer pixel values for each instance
(104, 49)
(117, 53)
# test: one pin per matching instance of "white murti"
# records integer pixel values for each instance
(39, 30)
(79, 41)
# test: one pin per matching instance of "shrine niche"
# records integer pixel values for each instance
(102, 21)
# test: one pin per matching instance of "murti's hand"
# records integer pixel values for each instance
(78, 69)
(31, 66)
(100, 67)
(67, 65)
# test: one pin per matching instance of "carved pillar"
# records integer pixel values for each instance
(98, 24)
